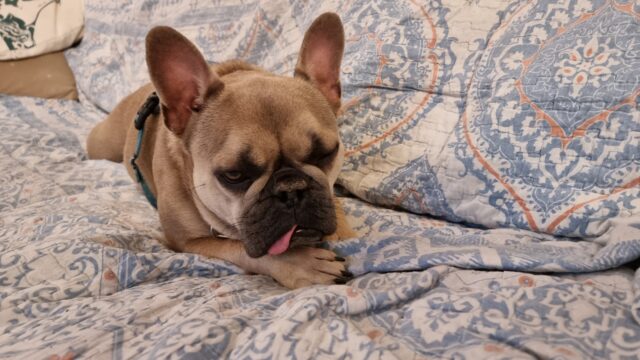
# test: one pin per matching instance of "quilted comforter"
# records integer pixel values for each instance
(492, 173)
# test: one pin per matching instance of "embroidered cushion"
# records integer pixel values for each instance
(34, 27)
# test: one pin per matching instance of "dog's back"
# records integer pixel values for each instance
(107, 139)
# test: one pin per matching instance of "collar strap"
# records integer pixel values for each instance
(149, 107)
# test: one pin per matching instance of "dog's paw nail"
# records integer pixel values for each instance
(346, 274)
(340, 258)
(340, 280)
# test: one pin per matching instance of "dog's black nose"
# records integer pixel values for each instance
(289, 185)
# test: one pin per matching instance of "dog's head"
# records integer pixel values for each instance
(265, 149)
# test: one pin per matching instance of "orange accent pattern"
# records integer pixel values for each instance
(556, 130)
(258, 24)
(378, 81)
(523, 205)
(423, 103)
(530, 220)
(493, 348)
(628, 8)
(554, 224)
(425, 15)
(418, 197)
(526, 281)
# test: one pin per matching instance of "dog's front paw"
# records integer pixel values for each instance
(305, 266)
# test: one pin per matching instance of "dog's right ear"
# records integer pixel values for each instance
(180, 75)
(320, 57)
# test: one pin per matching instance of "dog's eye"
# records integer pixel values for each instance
(239, 177)
(233, 177)
(325, 158)
(329, 155)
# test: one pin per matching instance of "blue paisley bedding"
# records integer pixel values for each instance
(492, 172)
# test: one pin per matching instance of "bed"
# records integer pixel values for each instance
(492, 174)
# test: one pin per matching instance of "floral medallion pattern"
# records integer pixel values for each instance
(551, 122)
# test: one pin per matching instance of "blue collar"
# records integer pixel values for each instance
(150, 106)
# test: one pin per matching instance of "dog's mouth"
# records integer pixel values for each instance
(295, 237)
(273, 226)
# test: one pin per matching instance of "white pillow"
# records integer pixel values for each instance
(34, 27)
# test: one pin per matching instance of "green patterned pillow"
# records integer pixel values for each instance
(34, 27)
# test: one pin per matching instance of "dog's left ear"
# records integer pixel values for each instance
(180, 75)
(321, 55)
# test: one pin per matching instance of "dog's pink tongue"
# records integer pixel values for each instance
(282, 244)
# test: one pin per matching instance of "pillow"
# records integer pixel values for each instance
(109, 63)
(34, 27)
(530, 119)
(45, 76)
(499, 113)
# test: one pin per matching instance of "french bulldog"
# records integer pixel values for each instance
(242, 162)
